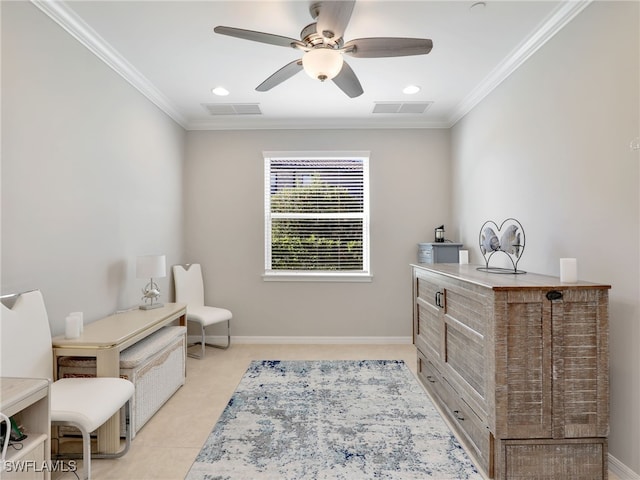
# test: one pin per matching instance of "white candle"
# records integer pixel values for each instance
(463, 256)
(72, 327)
(81, 319)
(568, 270)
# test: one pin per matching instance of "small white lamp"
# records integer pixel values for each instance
(151, 266)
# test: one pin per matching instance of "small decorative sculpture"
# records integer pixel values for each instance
(151, 266)
(150, 292)
(511, 242)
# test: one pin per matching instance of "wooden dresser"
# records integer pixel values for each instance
(519, 366)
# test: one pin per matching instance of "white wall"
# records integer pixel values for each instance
(91, 173)
(409, 172)
(550, 147)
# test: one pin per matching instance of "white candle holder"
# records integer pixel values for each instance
(569, 270)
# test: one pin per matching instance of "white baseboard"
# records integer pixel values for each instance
(265, 340)
(620, 470)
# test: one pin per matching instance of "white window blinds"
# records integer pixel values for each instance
(316, 214)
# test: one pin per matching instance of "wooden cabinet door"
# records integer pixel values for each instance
(523, 349)
(551, 364)
(467, 359)
(580, 364)
(427, 319)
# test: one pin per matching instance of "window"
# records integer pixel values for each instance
(316, 215)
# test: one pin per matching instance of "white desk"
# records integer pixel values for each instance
(28, 400)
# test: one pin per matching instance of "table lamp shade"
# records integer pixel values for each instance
(151, 266)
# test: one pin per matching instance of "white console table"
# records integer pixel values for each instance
(104, 339)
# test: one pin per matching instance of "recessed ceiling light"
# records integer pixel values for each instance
(220, 91)
(411, 89)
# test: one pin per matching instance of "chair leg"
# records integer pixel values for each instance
(223, 347)
(86, 451)
(127, 441)
(203, 342)
(86, 455)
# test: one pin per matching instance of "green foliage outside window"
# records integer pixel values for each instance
(323, 243)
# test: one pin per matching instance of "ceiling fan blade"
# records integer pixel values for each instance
(387, 47)
(347, 81)
(286, 72)
(259, 37)
(333, 17)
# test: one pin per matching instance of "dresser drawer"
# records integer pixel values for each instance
(477, 435)
(473, 432)
(566, 459)
(432, 379)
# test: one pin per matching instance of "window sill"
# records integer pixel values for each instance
(318, 277)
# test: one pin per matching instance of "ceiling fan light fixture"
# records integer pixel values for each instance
(322, 63)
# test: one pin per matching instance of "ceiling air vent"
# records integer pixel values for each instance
(401, 107)
(233, 108)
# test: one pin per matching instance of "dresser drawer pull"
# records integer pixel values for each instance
(457, 415)
(439, 302)
(431, 379)
(554, 295)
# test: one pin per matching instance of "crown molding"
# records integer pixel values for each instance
(75, 26)
(562, 15)
(59, 12)
(261, 123)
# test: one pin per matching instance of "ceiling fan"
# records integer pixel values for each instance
(323, 47)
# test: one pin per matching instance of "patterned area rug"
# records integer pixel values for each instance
(331, 420)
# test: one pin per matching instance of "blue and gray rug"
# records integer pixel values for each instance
(316, 420)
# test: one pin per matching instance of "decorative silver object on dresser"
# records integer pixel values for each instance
(508, 238)
(519, 366)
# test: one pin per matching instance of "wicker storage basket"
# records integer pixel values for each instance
(155, 365)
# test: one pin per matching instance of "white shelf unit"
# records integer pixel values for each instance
(27, 400)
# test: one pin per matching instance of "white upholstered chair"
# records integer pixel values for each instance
(84, 403)
(190, 290)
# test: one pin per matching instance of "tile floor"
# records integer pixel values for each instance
(166, 446)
